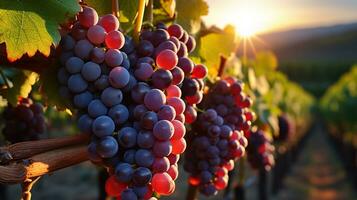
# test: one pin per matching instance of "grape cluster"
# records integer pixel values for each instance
(177, 75)
(285, 129)
(24, 122)
(217, 138)
(260, 151)
(129, 99)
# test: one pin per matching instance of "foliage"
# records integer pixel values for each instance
(26, 27)
(213, 45)
(190, 13)
(339, 104)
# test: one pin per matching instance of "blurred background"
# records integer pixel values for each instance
(311, 43)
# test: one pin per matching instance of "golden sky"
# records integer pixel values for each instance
(269, 15)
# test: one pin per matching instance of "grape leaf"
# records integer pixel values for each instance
(169, 6)
(102, 7)
(22, 86)
(189, 14)
(30, 26)
(215, 44)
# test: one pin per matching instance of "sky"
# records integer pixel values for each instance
(270, 15)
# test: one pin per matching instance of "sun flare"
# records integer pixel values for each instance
(248, 23)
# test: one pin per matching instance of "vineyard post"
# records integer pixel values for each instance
(192, 192)
(262, 184)
(239, 190)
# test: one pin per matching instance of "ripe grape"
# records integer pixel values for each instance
(114, 39)
(88, 17)
(109, 22)
(96, 34)
(24, 122)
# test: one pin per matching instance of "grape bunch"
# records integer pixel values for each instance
(24, 122)
(217, 138)
(260, 151)
(177, 75)
(285, 129)
(129, 100)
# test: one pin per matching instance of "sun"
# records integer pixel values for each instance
(249, 22)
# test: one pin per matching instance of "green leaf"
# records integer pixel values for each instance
(215, 44)
(169, 6)
(30, 26)
(127, 10)
(102, 7)
(189, 13)
(22, 86)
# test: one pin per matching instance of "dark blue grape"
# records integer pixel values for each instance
(124, 172)
(103, 126)
(127, 137)
(144, 158)
(141, 176)
(96, 108)
(107, 147)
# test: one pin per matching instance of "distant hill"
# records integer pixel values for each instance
(285, 38)
(314, 57)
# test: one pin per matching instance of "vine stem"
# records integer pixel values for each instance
(27, 186)
(222, 65)
(149, 11)
(139, 20)
(115, 8)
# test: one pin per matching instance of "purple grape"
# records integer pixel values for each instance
(148, 120)
(186, 65)
(96, 34)
(85, 123)
(162, 149)
(113, 57)
(127, 137)
(139, 91)
(154, 99)
(145, 139)
(82, 100)
(96, 108)
(161, 79)
(97, 55)
(129, 156)
(76, 83)
(102, 82)
(166, 112)
(103, 126)
(83, 49)
(143, 71)
(111, 96)
(144, 158)
(107, 147)
(124, 172)
(119, 77)
(90, 71)
(145, 48)
(119, 113)
(67, 43)
(163, 130)
(141, 176)
(128, 194)
(74, 65)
